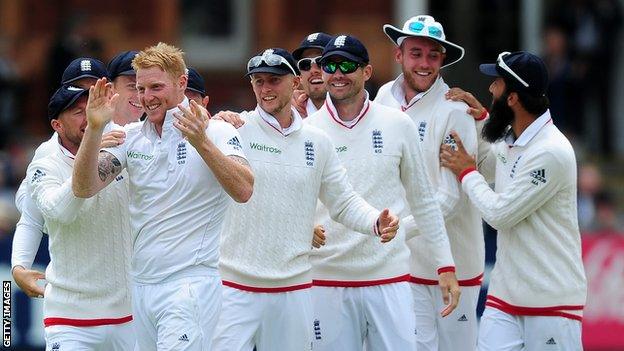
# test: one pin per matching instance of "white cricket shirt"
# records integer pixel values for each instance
(177, 205)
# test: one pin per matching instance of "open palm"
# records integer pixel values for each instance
(101, 104)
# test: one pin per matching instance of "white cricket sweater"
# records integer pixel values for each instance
(89, 246)
(266, 242)
(385, 166)
(538, 269)
(435, 117)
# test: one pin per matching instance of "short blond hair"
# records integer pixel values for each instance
(167, 57)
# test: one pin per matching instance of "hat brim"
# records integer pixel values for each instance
(341, 53)
(80, 77)
(202, 93)
(454, 52)
(299, 51)
(489, 69)
(267, 69)
(129, 72)
(70, 102)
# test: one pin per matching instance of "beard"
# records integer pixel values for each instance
(501, 116)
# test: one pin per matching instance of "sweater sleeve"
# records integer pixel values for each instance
(419, 193)
(536, 181)
(343, 203)
(449, 190)
(52, 195)
(28, 235)
(486, 159)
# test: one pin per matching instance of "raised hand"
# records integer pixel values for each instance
(475, 109)
(230, 117)
(456, 160)
(299, 102)
(112, 139)
(192, 122)
(101, 104)
(388, 224)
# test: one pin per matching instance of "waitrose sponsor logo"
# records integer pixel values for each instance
(139, 155)
(266, 148)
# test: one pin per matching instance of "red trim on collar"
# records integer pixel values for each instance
(270, 125)
(359, 118)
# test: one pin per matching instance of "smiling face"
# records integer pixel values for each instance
(344, 88)
(274, 92)
(71, 123)
(420, 61)
(128, 107)
(312, 80)
(159, 91)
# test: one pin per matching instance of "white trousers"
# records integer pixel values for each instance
(457, 331)
(500, 331)
(375, 318)
(118, 337)
(268, 321)
(177, 315)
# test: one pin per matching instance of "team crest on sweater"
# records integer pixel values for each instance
(422, 127)
(309, 153)
(377, 141)
(181, 153)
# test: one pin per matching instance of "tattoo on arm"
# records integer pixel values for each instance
(108, 166)
(238, 159)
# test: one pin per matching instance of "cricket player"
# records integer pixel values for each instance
(361, 291)
(538, 288)
(87, 297)
(422, 50)
(312, 96)
(81, 72)
(182, 172)
(196, 88)
(265, 246)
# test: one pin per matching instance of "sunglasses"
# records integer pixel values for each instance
(271, 60)
(345, 67)
(418, 27)
(305, 64)
(501, 63)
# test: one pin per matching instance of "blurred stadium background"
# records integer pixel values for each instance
(581, 41)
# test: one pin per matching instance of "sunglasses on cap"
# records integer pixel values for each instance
(305, 64)
(501, 63)
(345, 66)
(418, 27)
(271, 60)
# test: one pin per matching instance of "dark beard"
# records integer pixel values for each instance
(501, 116)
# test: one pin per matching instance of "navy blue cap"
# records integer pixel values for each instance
(526, 66)
(196, 82)
(84, 67)
(313, 41)
(121, 65)
(259, 64)
(346, 46)
(63, 98)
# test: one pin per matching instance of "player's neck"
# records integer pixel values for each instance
(349, 109)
